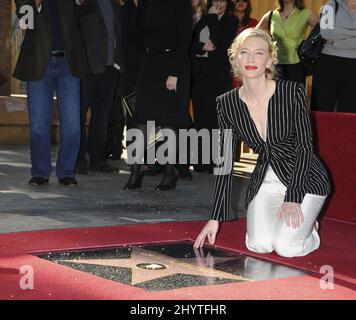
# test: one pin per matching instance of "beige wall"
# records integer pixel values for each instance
(5, 45)
(260, 7)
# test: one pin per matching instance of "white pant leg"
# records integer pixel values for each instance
(266, 233)
(262, 214)
(289, 242)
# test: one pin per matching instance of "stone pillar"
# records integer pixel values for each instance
(6, 63)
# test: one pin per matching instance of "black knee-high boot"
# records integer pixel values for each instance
(136, 177)
(170, 178)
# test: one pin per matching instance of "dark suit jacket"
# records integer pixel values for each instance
(36, 46)
(222, 34)
(94, 33)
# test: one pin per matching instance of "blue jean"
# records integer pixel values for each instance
(40, 99)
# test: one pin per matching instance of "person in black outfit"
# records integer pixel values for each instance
(163, 82)
(212, 73)
(130, 55)
(100, 24)
(131, 51)
(127, 83)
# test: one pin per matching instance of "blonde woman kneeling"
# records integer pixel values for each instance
(289, 184)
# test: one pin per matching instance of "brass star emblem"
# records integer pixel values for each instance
(159, 266)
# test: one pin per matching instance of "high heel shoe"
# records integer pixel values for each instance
(169, 180)
(136, 178)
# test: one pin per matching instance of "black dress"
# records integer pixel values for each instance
(212, 71)
(131, 51)
(212, 74)
(164, 24)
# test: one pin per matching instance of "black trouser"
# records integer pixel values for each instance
(292, 72)
(98, 92)
(206, 88)
(334, 84)
(115, 131)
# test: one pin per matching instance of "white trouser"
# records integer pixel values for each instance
(265, 233)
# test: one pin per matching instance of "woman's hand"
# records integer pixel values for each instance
(210, 229)
(213, 10)
(209, 46)
(292, 213)
(171, 83)
(38, 3)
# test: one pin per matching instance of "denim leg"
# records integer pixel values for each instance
(68, 95)
(40, 100)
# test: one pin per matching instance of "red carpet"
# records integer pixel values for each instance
(336, 137)
(54, 281)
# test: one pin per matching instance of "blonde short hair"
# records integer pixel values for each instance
(234, 50)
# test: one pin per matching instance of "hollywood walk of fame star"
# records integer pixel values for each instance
(201, 266)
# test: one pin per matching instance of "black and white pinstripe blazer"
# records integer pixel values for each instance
(288, 149)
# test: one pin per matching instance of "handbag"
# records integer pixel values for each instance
(310, 49)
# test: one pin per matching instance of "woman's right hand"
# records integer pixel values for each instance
(210, 229)
(213, 10)
(209, 46)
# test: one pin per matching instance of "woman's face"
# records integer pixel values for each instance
(220, 5)
(254, 58)
(241, 5)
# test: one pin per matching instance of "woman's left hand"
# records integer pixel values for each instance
(171, 83)
(292, 213)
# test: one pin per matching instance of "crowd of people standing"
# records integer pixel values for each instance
(169, 52)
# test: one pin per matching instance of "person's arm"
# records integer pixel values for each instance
(184, 36)
(197, 46)
(297, 187)
(263, 24)
(337, 34)
(313, 19)
(346, 44)
(222, 34)
(221, 208)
